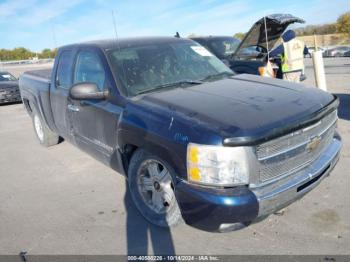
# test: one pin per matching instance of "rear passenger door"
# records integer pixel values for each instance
(94, 122)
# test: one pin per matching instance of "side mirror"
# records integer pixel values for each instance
(87, 90)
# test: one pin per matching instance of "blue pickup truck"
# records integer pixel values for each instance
(196, 142)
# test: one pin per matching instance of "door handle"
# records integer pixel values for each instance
(73, 108)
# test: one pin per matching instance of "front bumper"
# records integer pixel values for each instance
(210, 208)
(9, 95)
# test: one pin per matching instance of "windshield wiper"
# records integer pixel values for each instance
(179, 83)
(216, 76)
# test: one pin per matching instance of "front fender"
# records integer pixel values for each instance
(155, 144)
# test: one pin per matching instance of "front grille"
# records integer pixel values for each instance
(291, 152)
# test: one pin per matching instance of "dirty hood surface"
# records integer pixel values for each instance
(240, 106)
(276, 24)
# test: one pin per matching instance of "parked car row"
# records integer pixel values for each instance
(337, 51)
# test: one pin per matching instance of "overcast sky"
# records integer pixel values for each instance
(37, 24)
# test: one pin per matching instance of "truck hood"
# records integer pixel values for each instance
(241, 106)
(276, 24)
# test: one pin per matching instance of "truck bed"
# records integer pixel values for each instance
(35, 87)
(42, 73)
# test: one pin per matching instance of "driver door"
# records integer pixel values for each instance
(94, 122)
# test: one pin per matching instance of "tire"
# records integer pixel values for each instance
(45, 136)
(151, 184)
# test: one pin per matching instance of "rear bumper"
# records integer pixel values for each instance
(210, 208)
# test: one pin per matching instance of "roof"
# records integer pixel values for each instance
(128, 42)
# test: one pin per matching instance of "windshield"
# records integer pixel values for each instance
(164, 65)
(5, 76)
(224, 46)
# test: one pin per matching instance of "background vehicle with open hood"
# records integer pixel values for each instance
(251, 55)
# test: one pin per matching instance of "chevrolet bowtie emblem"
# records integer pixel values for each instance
(313, 144)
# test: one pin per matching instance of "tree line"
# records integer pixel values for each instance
(341, 26)
(21, 53)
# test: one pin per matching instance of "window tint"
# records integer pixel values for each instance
(64, 70)
(89, 68)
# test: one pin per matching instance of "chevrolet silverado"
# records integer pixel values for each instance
(196, 142)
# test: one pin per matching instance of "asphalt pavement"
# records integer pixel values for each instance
(59, 200)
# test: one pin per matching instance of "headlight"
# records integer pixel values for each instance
(217, 165)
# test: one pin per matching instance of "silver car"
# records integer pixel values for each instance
(338, 51)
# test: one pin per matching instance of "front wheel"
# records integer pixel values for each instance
(151, 183)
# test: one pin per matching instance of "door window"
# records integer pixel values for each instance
(64, 70)
(89, 68)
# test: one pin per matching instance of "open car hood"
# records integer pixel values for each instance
(276, 24)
